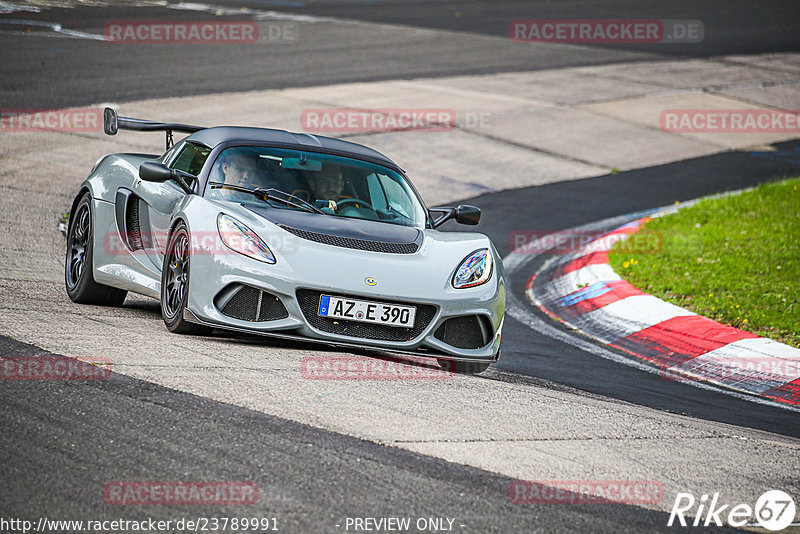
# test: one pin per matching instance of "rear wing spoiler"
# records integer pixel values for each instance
(112, 123)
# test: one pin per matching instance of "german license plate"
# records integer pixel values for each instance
(365, 311)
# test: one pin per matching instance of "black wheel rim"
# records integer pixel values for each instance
(177, 275)
(78, 241)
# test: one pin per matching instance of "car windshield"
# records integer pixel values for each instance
(338, 186)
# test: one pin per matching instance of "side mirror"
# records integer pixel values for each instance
(150, 171)
(468, 215)
(463, 214)
(110, 122)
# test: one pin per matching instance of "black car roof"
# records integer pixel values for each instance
(212, 137)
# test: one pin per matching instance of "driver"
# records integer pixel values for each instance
(240, 168)
(328, 185)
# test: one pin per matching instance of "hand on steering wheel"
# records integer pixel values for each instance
(352, 201)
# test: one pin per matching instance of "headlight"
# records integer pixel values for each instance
(475, 270)
(242, 239)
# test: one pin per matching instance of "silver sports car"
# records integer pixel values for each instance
(284, 234)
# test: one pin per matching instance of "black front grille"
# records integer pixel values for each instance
(251, 304)
(309, 303)
(351, 242)
(467, 332)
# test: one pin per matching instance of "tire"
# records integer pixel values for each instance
(175, 284)
(464, 368)
(78, 275)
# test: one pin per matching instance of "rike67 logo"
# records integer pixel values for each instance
(774, 510)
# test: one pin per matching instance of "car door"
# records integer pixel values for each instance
(160, 200)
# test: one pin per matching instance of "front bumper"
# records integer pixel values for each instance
(349, 268)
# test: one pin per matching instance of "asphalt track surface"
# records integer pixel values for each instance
(468, 37)
(63, 441)
(748, 28)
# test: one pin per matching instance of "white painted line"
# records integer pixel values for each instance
(257, 14)
(6, 8)
(49, 29)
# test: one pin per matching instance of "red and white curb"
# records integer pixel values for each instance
(582, 290)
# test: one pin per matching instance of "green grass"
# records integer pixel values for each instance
(734, 259)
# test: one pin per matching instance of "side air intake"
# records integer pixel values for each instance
(248, 303)
(466, 332)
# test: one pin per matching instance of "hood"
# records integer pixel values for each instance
(423, 275)
(353, 233)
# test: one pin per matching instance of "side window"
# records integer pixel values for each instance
(191, 159)
(377, 197)
(398, 198)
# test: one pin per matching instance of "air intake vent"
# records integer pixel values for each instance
(309, 303)
(467, 332)
(250, 304)
(132, 223)
(350, 242)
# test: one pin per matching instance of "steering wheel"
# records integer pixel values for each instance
(351, 201)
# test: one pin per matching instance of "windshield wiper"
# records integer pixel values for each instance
(270, 194)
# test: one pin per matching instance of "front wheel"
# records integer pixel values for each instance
(175, 284)
(464, 368)
(78, 276)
